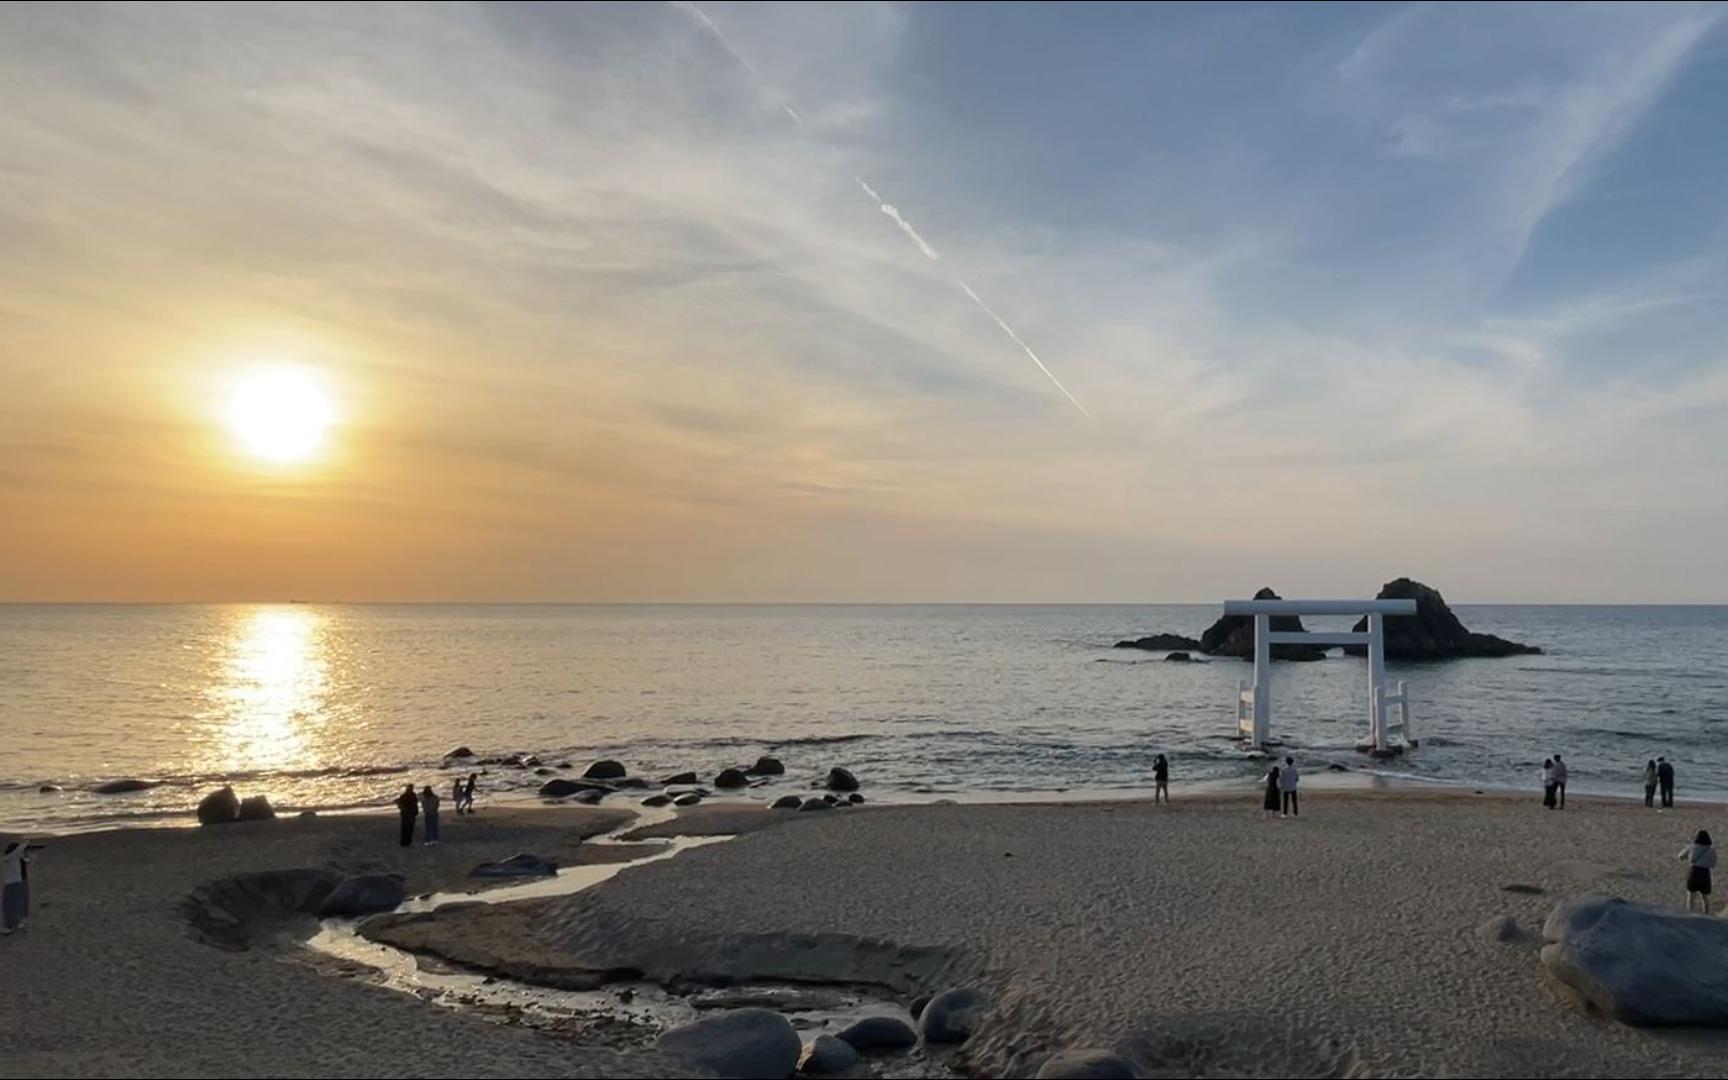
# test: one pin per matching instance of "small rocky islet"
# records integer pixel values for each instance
(1433, 633)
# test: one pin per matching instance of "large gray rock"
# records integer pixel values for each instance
(562, 788)
(589, 797)
(364, 894)
(605, 769)
(257, 808)
(878, 1033)
(767, 766)
(219, 807)
(827, 1054)
(746, 1044)
(521, 865)
(1434, 632)
(1233, 635)
(1640, 964)
(787, 802)
(841, 780)
(816, 804)
(953, 1015)
(1087, 1065)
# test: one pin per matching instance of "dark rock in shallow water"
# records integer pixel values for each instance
(787, 802)
(257, 808)
(953, 1015)
(1233, 635)
(565, 765)
(48, 789)
(731, 778)
(840, 779)
(680, 778)
(605, 769)
(364, 894)
(740, 1043)
(562, 788)
(854, 798)
(816, 804)
(878, 1033)
(1434, 632)
(827, 1054)
(767, 766)
(1087, 1065)
(1179, 658)
(1160, 643)
(588, 796)
(633, 783)
(125, 786)
(830, 799)
(689, 798)
(219, 807)
(544, 771)
(522, 865)
(1641, 964)
(657, 800)
(460, 751)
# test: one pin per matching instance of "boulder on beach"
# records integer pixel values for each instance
(738, 1043)
(48, 789)
(605, 769)
(1638, 963)
(219, 807)
(731, 778)
(519, 865)
(460, 751)
(1179, 658)
(767, 766)
(854, 798)
(827, 1055)
(562, 788)
(661, 799)
(1087, 1065)
(544, 771)
(125, 786)
(816, 804)
(1160, 643)
(878, 1033)
(588, 796)
(632, 783)
(680, 778)
(257, 808)
(953, 1015)
(787, 802)
(1434, 632)
(364, 894)
(689, 798)
(840, 779)
(1233, 635)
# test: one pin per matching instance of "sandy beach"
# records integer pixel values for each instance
(1198, 939)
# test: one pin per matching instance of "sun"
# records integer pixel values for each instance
(280, 414)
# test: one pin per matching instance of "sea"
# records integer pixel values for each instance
(334, 707)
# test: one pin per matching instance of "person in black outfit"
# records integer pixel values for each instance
(1160, 779)
(409, 805)
(1665, 780)
(1270, 803)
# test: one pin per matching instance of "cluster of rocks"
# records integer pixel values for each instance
(1433, 633)
(608, 777)
(763, 1043)
(223, 806)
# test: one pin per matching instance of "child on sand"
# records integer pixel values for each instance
(1700, 856)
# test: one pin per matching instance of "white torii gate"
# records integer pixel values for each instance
(1254, 703)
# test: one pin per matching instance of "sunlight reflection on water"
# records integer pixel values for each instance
(268, 708)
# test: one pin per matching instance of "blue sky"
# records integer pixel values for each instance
(1347, 291)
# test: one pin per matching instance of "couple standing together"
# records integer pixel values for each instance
(1281, 782)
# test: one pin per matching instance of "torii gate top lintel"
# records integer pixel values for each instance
(1254, 703)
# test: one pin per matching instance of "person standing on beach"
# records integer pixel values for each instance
(1548, 783)
(1665, 779)
(408, 803)
(1288, 778)
(1560, 779)
(14, 885)
(1160, 779)
(1650, 783)
(468, 795)
(429, 808)
(456, 795)
(1700, 856)
(1269, 805)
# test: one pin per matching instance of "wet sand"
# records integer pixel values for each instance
(1198, 939)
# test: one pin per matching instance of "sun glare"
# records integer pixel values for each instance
(280, 414)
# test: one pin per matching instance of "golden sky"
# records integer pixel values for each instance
(597, 321)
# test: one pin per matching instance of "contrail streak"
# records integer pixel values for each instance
(889, 209)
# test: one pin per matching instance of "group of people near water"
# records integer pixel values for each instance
(1658, 777)
(424, 804)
